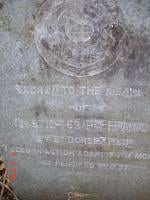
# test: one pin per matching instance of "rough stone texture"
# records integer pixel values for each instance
(75, 98)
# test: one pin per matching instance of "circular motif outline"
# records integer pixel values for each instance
(58, 64)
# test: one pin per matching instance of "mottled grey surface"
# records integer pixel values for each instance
(75, 98)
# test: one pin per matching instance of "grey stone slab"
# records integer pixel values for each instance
(75, 98)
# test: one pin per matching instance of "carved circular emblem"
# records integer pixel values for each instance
(78, 37)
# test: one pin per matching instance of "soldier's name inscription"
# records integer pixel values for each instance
(108, 126)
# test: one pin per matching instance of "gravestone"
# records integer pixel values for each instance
(75, 98)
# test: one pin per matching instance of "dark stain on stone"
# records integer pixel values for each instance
(43, 63)
(117, 33)
(45, 69)
(148, 8)
(89, 12)
(34, 17)
(40, 110)
(33, 79)
(45, 44)
(136, 51)
(1, 162)
(132, 51)
(37, 113)
(1, 5)
(21, 50)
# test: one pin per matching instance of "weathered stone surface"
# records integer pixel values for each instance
(75, 98)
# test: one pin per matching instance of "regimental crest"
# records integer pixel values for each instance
(79, 38)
